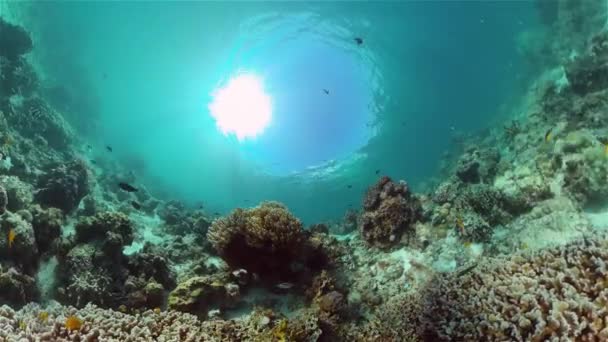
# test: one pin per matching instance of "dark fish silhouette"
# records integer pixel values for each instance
(216, 213)
(93, 161)
(127, 187)
(349, 186)
(89, 147)
(359, 40)
(326, 91)
(109, 148)
(378, 171)
(136, 205)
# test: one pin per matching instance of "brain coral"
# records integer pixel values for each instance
(265, 239)
(389, 210)
(557, 294)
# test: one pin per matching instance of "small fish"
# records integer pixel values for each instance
(350, 204)
(43, 316)
(349, 186)
(73, 323)
(548, 135)
(201, 206)
(136, 205)
(467, 244)
(216, 213)
(109, 148)
(378, 171)
(606, 149)
(89, 147)
(127, 187)
(11, 237)
(93, 161)
(122, 308)
(157, 310)
(284, 286)
(326, 91)
(359, 40)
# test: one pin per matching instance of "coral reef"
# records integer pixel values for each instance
(267, 240)
(557, 293)
(389, 210)
(64, 186)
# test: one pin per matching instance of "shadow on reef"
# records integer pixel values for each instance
(499, 249)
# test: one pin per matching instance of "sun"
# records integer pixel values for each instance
(242, 107)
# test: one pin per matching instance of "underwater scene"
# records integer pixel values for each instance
(304, 171)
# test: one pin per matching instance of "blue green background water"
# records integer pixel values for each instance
(138, 76)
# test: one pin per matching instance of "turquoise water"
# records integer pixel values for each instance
(139, 77)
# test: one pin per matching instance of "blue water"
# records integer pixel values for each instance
(140, 78)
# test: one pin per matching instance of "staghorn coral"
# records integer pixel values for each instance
(64, 186)
(555, 294)
(107, 325)
(389, 211)
(266, 240)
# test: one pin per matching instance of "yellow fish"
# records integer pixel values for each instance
(73, 323)
(606, 149)
(548, 135)
(157, 310)
(43, 316)
(11, 237)
(467, 244)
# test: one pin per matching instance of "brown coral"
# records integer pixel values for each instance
(266, 240)
(554, 294)
(389, 211)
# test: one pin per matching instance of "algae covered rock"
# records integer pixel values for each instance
(196, 295)
(22, 250)
(17, 288)
(14, 40)
(98, 226)
(389, 210)
(47, 225)
(19, 194)
(64, 186)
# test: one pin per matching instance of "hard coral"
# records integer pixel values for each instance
(554, 294)
(389, 211)
(19, 193)
(64, 186)
(266, 240)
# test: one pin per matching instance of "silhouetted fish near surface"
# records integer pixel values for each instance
(326, 91)
(127, 187)
(109, 148)
(359, 40)
(136, 205)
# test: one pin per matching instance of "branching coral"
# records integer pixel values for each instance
(554, 294)
(389, 211)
